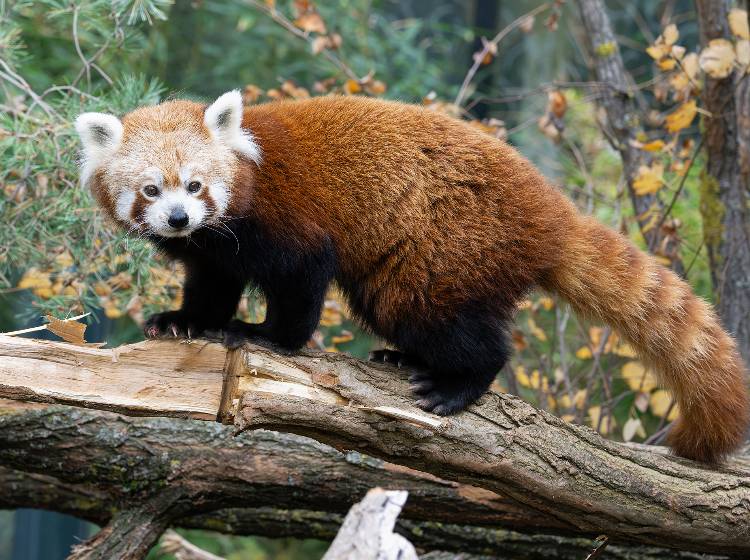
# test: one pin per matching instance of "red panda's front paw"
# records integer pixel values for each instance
(173, 324)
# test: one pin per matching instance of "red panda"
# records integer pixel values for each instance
(433, 231)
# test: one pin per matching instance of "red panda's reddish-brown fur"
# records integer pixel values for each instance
(428, 214)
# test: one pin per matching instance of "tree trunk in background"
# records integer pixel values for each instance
(725, 184)
(616, 94)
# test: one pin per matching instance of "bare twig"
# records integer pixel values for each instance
(478, 58)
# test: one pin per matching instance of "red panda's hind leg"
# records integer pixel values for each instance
(461, 357)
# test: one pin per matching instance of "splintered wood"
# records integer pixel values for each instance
(149, 378)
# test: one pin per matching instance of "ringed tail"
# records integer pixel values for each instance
(676, 334)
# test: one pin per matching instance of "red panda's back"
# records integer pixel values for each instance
(386, 179)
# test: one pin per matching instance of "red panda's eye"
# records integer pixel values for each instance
(151, 190)
(193, 186)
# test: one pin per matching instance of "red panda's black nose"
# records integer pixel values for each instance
(178, 218)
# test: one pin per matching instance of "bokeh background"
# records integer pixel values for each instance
(531, 85)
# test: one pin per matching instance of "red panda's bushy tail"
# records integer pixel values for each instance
(677, 334)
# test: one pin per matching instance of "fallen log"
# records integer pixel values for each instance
(90, 464)
(566, 473)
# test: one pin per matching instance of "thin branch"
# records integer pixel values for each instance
(479, 57)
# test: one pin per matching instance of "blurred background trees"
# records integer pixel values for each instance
(639, 110)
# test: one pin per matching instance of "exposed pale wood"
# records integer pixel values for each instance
(165, 378)
(367, 531)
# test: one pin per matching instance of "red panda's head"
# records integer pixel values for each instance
(168, 169)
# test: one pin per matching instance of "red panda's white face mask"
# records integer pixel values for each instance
(166, 170)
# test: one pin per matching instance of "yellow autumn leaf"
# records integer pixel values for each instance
(649, 179)
(568, 418)
(638, 377)
(625, 350)
(64, 260)
(352, 86)
(738, 23)
(564, 402)
(584, 353)
(580, 398)
(659, 403)
(717, 59)
(689, 71)
(535, 379)
(536, 331)
(653, 146)
(681, 117)
(522, 377)
(345, 336)
(607, 423)
(670, 34)
(524, 304)
(547, 303)
(666, 64)
(34, 279)
(657, 52)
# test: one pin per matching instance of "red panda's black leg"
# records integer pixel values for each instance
(210, 298)
(294, 300)
(462, 356)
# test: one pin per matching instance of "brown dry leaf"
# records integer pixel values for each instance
(488, 52)
(376, 87)
(519, 340)
(717, 59)
(738, 23)
(319, 44)
(311, 22)
(557, 104)
(548, 128)
(251, 94)
(649, 180)
(681, 117)
(69, 331)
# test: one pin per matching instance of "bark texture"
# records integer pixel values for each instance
(566, 476)
(95, 464)
(725, 191)
(502, 444)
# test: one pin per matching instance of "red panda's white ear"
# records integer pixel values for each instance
(100, 135)
(223, 118)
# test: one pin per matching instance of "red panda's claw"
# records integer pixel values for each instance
(174, 330)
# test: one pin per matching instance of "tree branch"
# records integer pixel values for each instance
(568, 475)
(89, 464)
